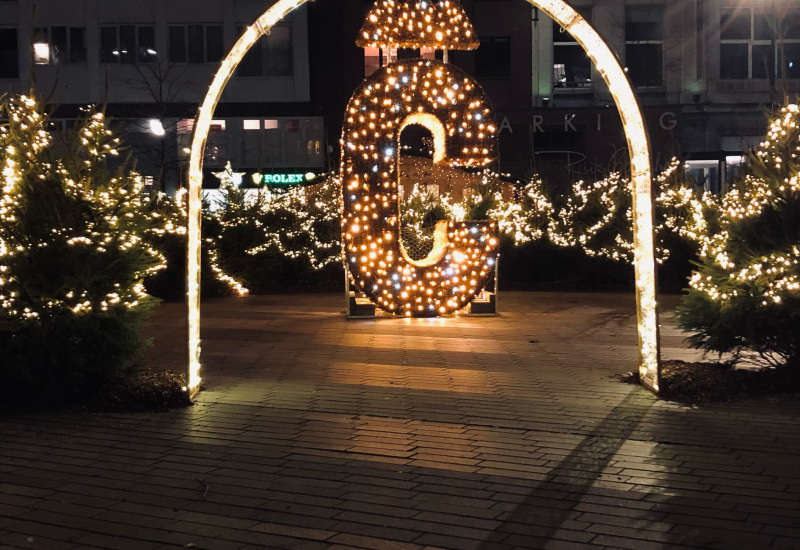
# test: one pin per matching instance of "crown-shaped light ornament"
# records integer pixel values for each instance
(436, 24)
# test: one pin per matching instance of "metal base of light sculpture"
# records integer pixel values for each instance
(359, 306)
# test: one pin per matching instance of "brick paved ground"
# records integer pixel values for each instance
(465, 433)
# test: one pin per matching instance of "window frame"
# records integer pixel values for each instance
(10, 56)
(72, 55)
(208, 56)
(754, 42)
(570, 43)
(150, 54)
(259, 54)
(498, 70)
(375, 58)
(633, 43)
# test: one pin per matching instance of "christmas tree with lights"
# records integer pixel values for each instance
(72, 256)
(745, 296)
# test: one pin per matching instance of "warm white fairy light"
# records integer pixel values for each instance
(311, 207)
(437, 24)
(527, 218)
(236, 286)
(622, 92)
(597, 216)
(772, 277)
(685, 210)
(174, 214)
(589, 212)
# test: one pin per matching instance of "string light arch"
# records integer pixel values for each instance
(638, 146)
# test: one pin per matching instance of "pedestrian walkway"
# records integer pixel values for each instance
(465, 433)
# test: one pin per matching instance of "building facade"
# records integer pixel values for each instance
(150, 63)
(704, 71)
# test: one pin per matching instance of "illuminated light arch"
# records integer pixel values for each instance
(639, 150)
(638, 147)
(454, 108)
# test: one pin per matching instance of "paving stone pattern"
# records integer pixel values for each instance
(465, 433)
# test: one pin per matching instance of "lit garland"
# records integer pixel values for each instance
(598, 218)
(452, 106)
(690, 213)
(419, 211)
(172, 212)
(174, 215)
(311, 207)
(110, 226)
(526, 219)
(237, 287)
(419, 203)
(609, 69)
(437, 24)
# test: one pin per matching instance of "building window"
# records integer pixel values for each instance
(759, 43)
(280, 142)
(373, 61)
(703, 175)
(572, 68)
(644, 45)
(272, 55)
(9, 54)
(427, 53)
(493, 58)
(59, 45)
(195, 43)
(127, 44)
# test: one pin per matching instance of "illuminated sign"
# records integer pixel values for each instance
(281, 179)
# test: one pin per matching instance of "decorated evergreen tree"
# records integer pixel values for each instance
(684, 214)
(420, 211)
(72, 257)
(482, 198)
(745, 296)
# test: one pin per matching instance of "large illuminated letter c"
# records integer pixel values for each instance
(453, 107)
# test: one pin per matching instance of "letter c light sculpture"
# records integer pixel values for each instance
(454, 109)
